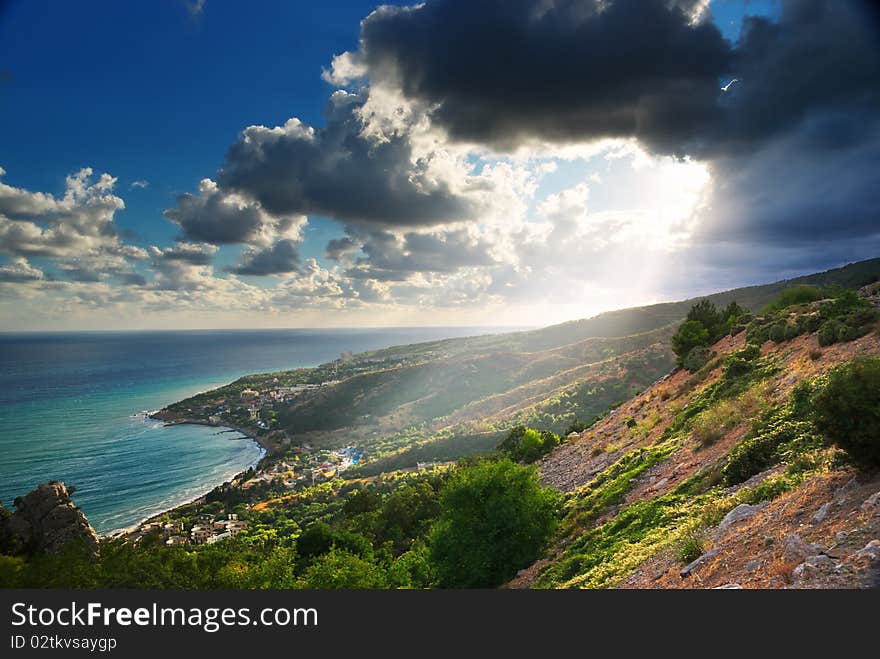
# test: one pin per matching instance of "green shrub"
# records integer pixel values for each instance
(692, 334)
(690, 547)
(847, 409)
(758, 332)
(495, 519)
(795, 295)
(750, 352)
(736, 366)
(829, 332)
(792, 331)
(696, 359)
(767, 448)
(777, 332)
(527, 444)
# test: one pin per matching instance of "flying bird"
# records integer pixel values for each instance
(727, 86)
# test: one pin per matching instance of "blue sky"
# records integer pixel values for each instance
(432, 229)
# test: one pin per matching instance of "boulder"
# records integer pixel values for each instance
(688, 569)
(821, 514)
(870, 551)
(797, 549)
(871, 505)
(46, 520)
(742, 512)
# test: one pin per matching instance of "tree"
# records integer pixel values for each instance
(692, 334)
(847, 409)
(705, 313)
(339, 569)
(527, 444)
(495, 519)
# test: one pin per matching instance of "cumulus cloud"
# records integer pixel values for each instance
(19, 270)
(80, 224)
(339, 172)
(191, 253)
(281, 257)
(221, 217)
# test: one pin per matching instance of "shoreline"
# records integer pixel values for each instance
(264, 451)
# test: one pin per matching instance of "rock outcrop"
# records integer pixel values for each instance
(46, 520)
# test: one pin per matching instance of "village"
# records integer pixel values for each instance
(258, 406)
(206, 531)
(308, 466)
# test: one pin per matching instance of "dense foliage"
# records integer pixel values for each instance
(527, 444)
(847, 409)
(703, 326)
(495, 519)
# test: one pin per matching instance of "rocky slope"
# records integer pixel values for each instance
(649, 506)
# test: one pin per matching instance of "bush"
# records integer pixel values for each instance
(792, 330)
(829, 332)
(777, 332)
(696, 359)
(754, 455)
(692, 334)
(749, 353)
(690, 548)
(712, 424)
(795, 295)
(495, 519)
(736, 366)
(847, 409)
(527, 444)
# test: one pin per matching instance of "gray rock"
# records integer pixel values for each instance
(46, 520)
(742, 512)
(870, 551)
(840, 536)
(690, 568)
(821, 514)
(871, 504)
(819, 560)
(728, 586)
(797, 549)
(846, 488)
(751, 566)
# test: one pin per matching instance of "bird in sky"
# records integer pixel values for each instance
(727, 86)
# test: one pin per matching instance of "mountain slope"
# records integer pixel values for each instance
(652, 488)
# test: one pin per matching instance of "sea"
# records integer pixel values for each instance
(72, 404)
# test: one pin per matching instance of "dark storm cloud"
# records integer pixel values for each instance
(337, 171)
(282, 257)
(564, 70)
(503, 72)
(821, 58)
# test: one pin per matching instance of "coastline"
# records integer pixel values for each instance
(264, 451)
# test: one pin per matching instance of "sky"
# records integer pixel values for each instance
(207, 164)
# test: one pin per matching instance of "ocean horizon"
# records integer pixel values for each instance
(71, 408)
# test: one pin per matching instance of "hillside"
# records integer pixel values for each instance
(459, 394)
(712, 479)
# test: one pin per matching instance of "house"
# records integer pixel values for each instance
(176, 541)
(172, 527)
(218, 537)
(234, 528)
(200, 534)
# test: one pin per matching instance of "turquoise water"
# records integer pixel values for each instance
(69, 408)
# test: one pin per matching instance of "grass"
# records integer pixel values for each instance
(690, 547)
